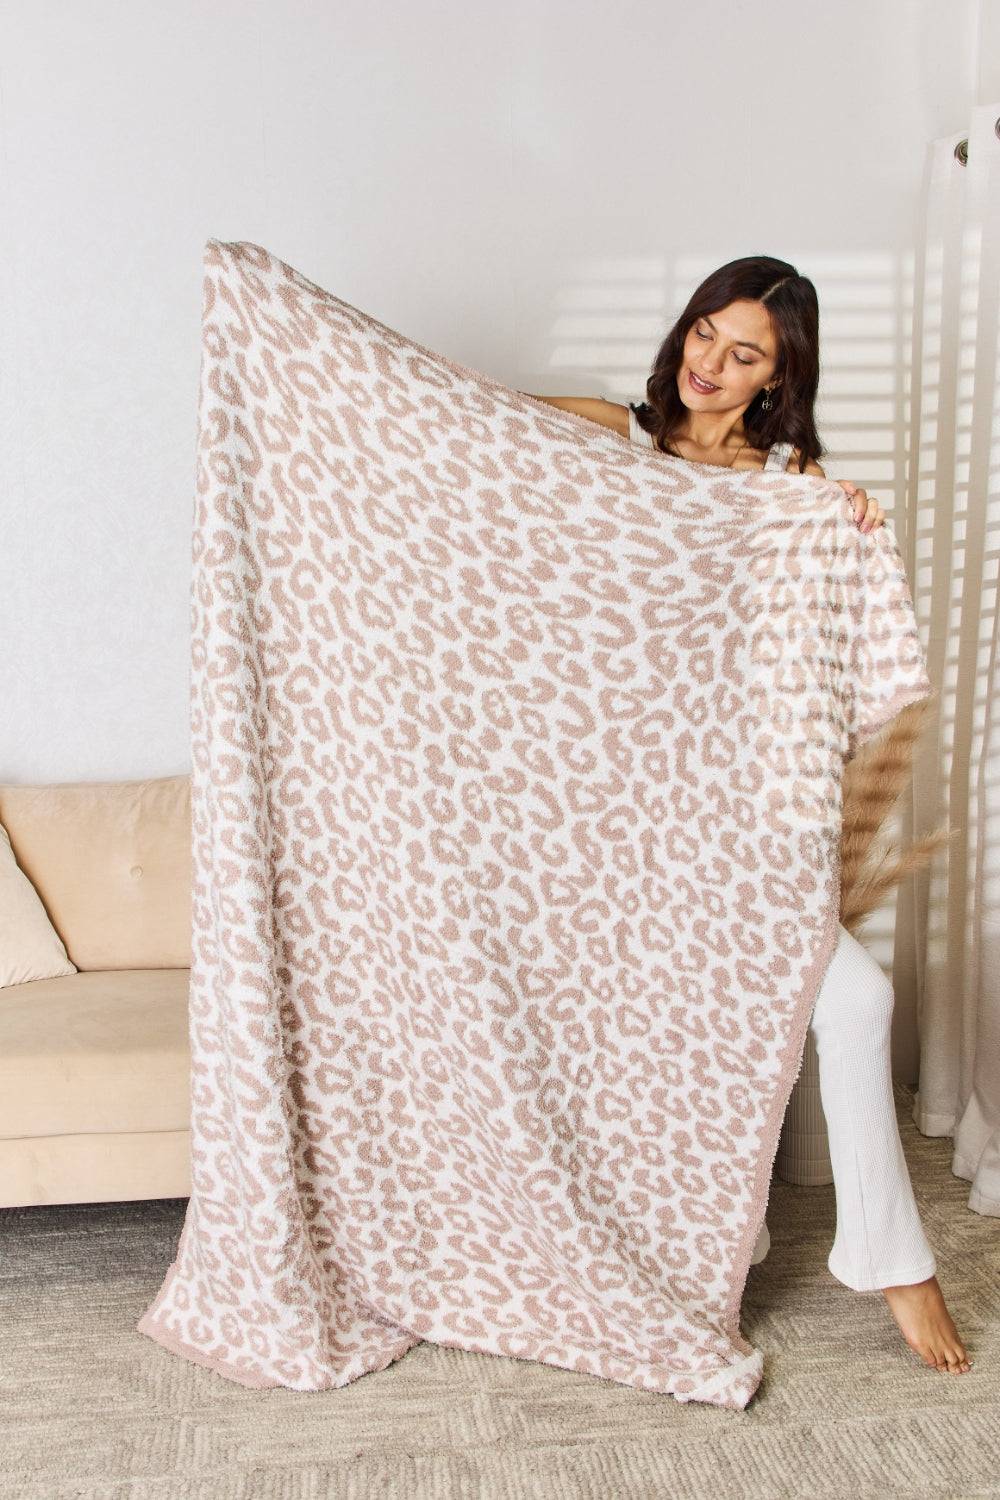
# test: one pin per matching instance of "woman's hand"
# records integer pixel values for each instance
(868, 514)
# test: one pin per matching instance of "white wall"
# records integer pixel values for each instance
(530, 187)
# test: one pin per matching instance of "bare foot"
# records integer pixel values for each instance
(926, 1325)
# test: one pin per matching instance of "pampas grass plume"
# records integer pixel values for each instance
(871, 862)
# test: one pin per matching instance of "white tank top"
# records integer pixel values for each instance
(777, 455)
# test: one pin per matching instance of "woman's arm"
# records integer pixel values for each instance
(594, 408)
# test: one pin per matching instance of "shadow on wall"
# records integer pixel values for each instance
(611, 314)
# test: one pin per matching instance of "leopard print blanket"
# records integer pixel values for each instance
(517, 772)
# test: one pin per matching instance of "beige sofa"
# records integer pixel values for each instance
(94, 1092)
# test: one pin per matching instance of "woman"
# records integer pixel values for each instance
(734, 385)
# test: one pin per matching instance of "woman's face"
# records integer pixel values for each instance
(728, 357)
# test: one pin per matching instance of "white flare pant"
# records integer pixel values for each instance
(880, 1241)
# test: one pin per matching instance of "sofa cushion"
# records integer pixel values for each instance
(94, 1053)
(30, 947)
(102, 1168)
(112, 865)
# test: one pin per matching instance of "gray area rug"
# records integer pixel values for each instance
(90, 1409)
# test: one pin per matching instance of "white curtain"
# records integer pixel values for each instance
(948, 923)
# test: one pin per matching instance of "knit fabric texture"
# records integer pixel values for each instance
(516, 794)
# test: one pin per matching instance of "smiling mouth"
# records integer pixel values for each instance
(703, 387)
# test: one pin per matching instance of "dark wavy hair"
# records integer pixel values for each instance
(791, 302)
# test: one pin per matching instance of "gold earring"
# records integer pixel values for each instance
(767, 403)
